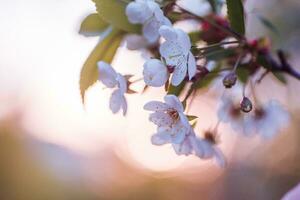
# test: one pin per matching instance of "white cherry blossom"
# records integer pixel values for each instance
(176, 51)
(149, 14)
(170, 119)
(111, 79)
(268, 119)
(155, 73)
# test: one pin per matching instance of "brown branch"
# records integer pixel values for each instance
(283, 65)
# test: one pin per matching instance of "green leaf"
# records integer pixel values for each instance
(191, 117)
(235, 11)
(280, 77)
(268, 24)
(176, 90)
(195, 36)
(104, 51)
(92, 25)
(243, 73)
(113, 12)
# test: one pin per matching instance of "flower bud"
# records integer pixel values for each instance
(230, 80)
(246, 105)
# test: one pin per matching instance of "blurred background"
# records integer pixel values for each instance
(53, 147)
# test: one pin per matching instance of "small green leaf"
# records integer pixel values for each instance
(195, 36)
(242, 73)
(191, 117)
(176, 90)
(235, 11)
(113, 12)
(105, 51)
(280, 77)
(92, 25)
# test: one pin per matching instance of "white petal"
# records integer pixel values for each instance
(135, 42)
(185, 148)
(219, 157)
(155, 73)
(124, 105)
(150, 30)
(161, 138)
(122, 83)
(179, 72)
(161, 119)
(208, 150)
(171, 52)
(168, 33)
(115, 101)
(138, 13)
(156, 106)
(179, 132)
(174, 102)
(184, 120)
(107, 75)
(191, 65)
(183, 40)
(196, 145)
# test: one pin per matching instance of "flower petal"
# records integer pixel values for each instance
(168, 33)
(107, 75)
(155, 73)
(191, 65)
(150, 30)
(173, 101)
(184, 148)
(179, 132)
(135, 42)
(115, 101)
(138, 12)
(124, 105)
(219, 157)
(179, 72)
(183, 40)
(161, 138)
(171, 52)
(156, 106)
(122, 83)
(161, 119)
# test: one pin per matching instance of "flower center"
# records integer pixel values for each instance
(173, 114)
(235, 112)
(259, 113)
(210, 137)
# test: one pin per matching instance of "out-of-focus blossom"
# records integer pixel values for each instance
(135, 42)
(111, 79)
(176, 51)
(268, 119)
(293, 194)
(148, 13)
(155, 73)
(206, 148)
(229, 112)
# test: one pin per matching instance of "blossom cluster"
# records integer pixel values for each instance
(177, 62)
